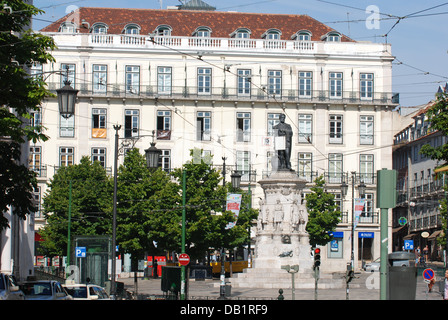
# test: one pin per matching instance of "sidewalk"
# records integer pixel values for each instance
(363, 287)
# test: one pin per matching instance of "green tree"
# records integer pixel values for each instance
(147, 201)
(19, 94)
(323, 214)
(91, 193)
(204, 196)
(437, 116)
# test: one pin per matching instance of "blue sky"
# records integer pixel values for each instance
(416, 29)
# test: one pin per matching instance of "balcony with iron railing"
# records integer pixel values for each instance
(427, 187)
(366, 218)
(41, 171)
(219, 93)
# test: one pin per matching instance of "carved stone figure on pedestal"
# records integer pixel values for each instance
(278, 216)
(295, 217)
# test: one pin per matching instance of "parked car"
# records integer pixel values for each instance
(372, 266)
(9, 290)
(80, 291)
(44, 290)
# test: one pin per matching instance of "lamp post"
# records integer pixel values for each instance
(67, 98)
(152, 162)
(236, 182)
(361, 190)
(66, 102)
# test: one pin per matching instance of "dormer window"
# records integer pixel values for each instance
(202, 32)
(272, 34)
(302, 35)
(99, 28)
(241, 33)
(131, 29)
(163, 31)
(67, 27)
(333, 37)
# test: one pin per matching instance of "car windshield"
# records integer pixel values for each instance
(77, 292)
(42, 289)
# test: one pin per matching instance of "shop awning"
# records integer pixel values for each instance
(441, 169)
(409, 236)
(435, 234)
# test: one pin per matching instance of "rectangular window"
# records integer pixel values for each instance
(366, 129)
(131, 123)
(164, 78)
(335, 168)
(71, 74)
(165, 160)
(66, 156)
(336, 86)
(67, 126)
(99, 154)
(204, 80)
(368, 212)
(305, 128)
(366, 86)
(37, 202)
(366, 170)
(133, 79)
(335, 129)
(244, 78)
(243, 126)
(275, 82)
(34, 159)
(273, 120)
(305, 168)
(203, 122)
(243, 164)
(35, 120)
(305, 84)
(99, 120)
(163, 125)
(99, 78)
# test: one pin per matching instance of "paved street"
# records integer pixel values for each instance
(365, 286)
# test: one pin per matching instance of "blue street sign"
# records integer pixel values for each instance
(408, 244)
(428, 274)
(80, 252)
(366, 234)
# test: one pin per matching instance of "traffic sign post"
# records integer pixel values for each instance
(428, 275)
(80, 252)
(184, 259)
(408, 244)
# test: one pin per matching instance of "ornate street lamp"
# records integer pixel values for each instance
(66, 99)
(152, 156)
(236, 179)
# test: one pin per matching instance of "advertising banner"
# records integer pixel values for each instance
(233, 204)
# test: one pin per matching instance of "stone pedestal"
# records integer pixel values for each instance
(281, 237)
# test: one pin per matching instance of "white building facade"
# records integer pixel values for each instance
(218, 81)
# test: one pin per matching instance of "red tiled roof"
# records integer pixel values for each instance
(185, 22)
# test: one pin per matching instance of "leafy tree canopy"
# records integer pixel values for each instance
(323, 214)
(20, 48)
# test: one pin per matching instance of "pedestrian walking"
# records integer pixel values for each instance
(445, 293)
(426, 252)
